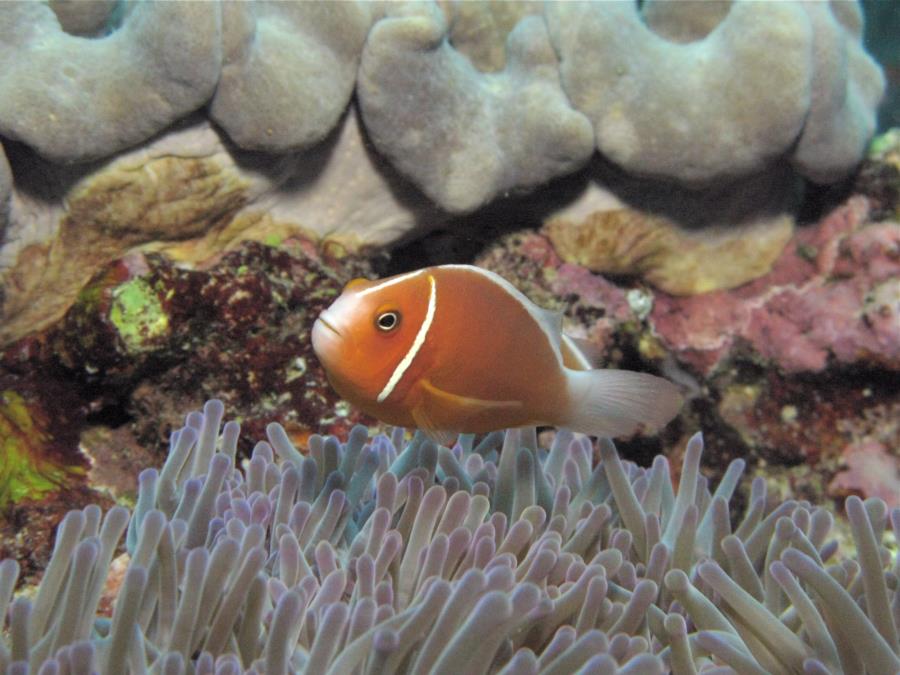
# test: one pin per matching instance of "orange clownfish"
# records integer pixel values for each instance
(458, 349)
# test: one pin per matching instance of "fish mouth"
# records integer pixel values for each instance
(328, 325)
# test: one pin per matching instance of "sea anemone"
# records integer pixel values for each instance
(382, 555)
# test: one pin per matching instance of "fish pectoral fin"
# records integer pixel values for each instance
(434, 398)
(468, 405)
(424, 422)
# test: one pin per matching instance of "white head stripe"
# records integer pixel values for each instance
(416, 345)
(389, 282)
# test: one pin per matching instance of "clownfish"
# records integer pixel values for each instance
(458, 349)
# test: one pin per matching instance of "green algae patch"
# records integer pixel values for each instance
(138, 315)
(26, 473)
(273, 240)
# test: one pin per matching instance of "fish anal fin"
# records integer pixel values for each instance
(552, 319)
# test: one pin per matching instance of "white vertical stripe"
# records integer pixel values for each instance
(577, 353)
(416, 345)
(389, 282)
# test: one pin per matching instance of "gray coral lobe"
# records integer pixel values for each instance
(696, 93)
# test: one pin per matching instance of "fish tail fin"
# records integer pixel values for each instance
(619, 402)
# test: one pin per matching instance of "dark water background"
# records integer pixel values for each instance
(882, 39)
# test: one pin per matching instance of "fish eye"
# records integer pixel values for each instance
(387, 321)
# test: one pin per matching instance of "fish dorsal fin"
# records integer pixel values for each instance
(551, 322)
(580, 354)
(434, 398)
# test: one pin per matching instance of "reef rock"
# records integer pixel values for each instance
(797, 368)
(464, 136)
(288, 70)
(832, 297)
(145, 338)
(879, 176)
(74, 99)
(84, 402)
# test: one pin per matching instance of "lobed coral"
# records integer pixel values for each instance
(288, 70)
(191, 195)
(613, 63)
(161, 64)
(380, 555)
(468, 136)
(619, 65)
(136, 124)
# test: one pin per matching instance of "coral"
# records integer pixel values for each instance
(387, 555)
(87, 18)
(161, 64)
(113, 382)
(879, 176)
(202, 88)
(467, 136)
(685, 21)
(288, 70)
(276, 76)
(679, 262)
(872, 470)
(6, 184)
(753, 399)
(92, 217)
(478, 29)
(186, 194)
(845, 91)
(27, 472)
(42, 474)
(468, 102)
(138, 315)
(612, 65)
(146, 334)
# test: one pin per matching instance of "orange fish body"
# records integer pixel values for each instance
(456, 348)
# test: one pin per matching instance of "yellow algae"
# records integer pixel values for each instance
(26, 473)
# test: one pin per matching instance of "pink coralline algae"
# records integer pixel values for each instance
(833, 295)
(871, 470)
(832, 298)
